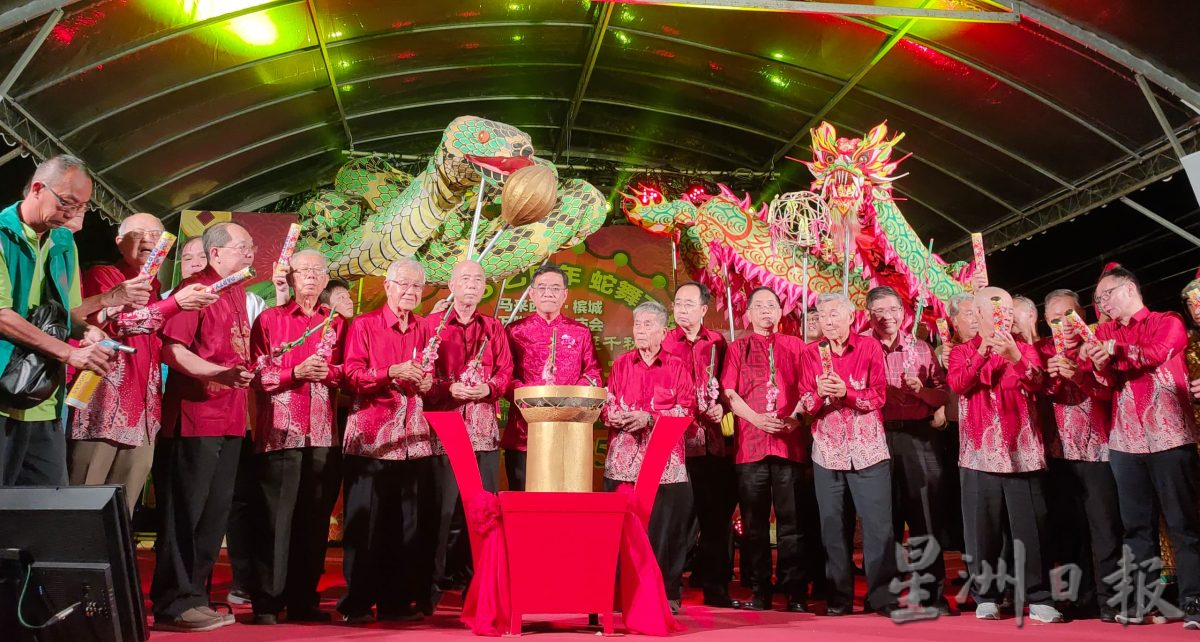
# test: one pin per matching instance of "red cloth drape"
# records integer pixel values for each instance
(488, 604)
(643, 597)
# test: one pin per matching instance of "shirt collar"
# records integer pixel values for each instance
(657, 361)
(390, 320)
(293, 308)
(1140, 315)
(475, 316)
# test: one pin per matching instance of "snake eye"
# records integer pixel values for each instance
(483, 136)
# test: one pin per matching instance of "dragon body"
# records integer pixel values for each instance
(724, 241)
(376, 214)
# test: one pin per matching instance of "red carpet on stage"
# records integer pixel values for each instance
(704, 624)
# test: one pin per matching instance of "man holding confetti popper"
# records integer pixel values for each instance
(204, 422)
(548, 348)
(296, 348)
(470, 375)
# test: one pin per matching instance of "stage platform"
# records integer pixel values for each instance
(704, 624)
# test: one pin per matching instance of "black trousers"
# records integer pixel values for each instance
(32, 453)
(297, 490)
(668, 530)
(1085, 493)
(1164, 480)
(514, 468)
(191, 486)
(917, 491)
(390, 522)
(772, 482)
(240, 540)
(714, 496)
(989, 501)
(869, 491)
(809, 514)
(952, 524)
(452, 559)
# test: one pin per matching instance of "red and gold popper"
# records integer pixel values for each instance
(1084, 330)
(1060, 340)
(289, 245)
(233, 279)
(1000, 320)
(826, 358)
(980, 255)
(943, 331)
(1193, 298)
(158, 254)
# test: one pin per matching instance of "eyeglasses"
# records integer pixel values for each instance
(1103, 297)
(891, 312)
(150, 235)
(68, 207)
(686, 306)
(404, 286)
(244, 248)
(549, 289)
(308, 271)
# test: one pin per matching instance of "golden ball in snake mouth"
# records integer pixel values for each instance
(529, 194)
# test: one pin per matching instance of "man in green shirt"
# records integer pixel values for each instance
(37, 258)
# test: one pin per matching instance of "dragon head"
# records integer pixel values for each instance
(647, 208)
(473, 146)
(846, 169)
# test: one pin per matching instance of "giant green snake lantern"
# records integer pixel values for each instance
(375, 214)
(723, 235)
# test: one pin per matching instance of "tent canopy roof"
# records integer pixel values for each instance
(1018, 115)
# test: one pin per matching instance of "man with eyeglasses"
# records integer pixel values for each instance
(916, 388)
(390, 497)
(112, 439)
(1002, 460)
(842, 386)
(709, 461)
(204, 422)
(1152, 444)
(761, 382)
(39, 266)
(471, 374)
(298, 456)
(532, 339)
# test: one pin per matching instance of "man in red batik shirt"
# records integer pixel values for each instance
(916, 388)
(530, 341)
(844, 394)
(761, 380)
(112, 439)
(1001, 456)
(390, 501)
(471, 374)
(298, 460)
(644, 384)
(1081, 488)
(1152, 444)
(709, 461)
(204, 421)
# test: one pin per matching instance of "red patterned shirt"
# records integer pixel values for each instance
(1152, 410)
(574, 363)
(459, 360)
(747, 372)
(662, 387)
(1082, 411)
(219, 334)
(912, 357)
(997, 420)
(703, 357)
(847, 432)
(293, 413)
(127, 405)
(386, 419)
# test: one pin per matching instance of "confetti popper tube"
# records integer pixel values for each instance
(289, 245)
(1060, 341)
(998, 320)
(158, 254)
(826, 358)
(980, 255)
(1084, 330)
(233, 279)
(943, 331)
(85, 385)
(1193, 297)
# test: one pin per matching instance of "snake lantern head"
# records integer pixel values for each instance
(845, 168)
(473, 146)
(646, 208)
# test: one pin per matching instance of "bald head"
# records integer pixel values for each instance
(136, 237)
(467, 284)
(984, 307)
